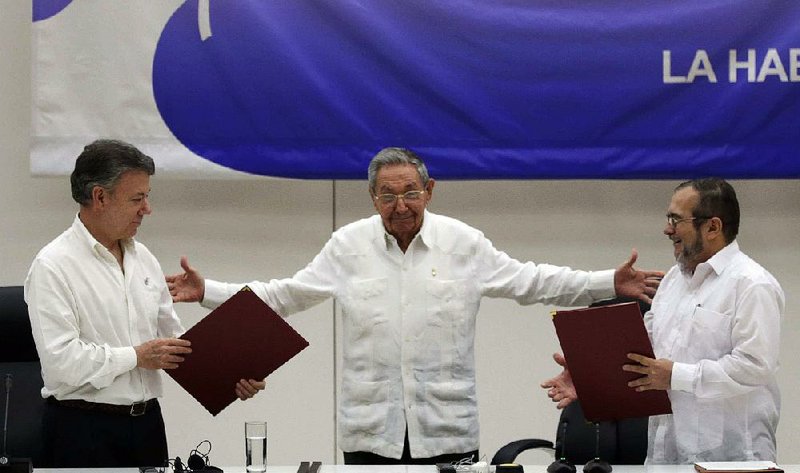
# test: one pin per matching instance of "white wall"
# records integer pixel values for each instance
(259, 228)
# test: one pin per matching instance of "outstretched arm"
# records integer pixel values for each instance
(634, 283)
(560, 388)
(188, 286)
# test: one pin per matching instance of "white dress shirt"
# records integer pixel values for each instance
(87, 315)
(721, 328)
(409, 325)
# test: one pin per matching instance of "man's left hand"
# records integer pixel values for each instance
(247, 388)
(560, 389)
(657, 373)
(634, 283)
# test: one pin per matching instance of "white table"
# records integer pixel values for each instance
(404, 469)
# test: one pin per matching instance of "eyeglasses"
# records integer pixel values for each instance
(673, 220)
(391, 199)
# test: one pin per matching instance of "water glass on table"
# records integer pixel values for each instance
(255, 438)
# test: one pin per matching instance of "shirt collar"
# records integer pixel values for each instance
(90, 241)
(426, 231)
(721, 259)
(425, 234)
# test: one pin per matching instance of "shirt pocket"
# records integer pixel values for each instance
(446, 301)
(366, 302)
(448, 409)
(711, 334)
(364, 407)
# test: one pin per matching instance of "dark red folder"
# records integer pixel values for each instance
(241, 339)
(596, 341)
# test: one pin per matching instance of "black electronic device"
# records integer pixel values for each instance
(8, 464)
(198, 460)
(597, 465)
(509, 468)
(561, 464)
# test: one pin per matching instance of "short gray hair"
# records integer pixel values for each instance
(394, 156)
(102, 163)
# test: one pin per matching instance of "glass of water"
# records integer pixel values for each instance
(255, 438)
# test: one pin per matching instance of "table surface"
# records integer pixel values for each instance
(407, 469)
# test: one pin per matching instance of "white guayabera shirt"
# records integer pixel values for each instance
(409, 325)
(721, 327)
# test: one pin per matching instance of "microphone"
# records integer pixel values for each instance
(11, 465)
(178, 466)
(562, 465)
(597, 465)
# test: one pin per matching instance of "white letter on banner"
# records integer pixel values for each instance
(773, 66)
(701, 66)
(668, 78)
(749, 64)
(794, 64)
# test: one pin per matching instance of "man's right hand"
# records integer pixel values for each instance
(161, 353)
(188, 286)
(560, 389)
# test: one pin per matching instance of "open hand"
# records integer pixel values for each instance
(560, 388)
(634, 283)
(188, 286)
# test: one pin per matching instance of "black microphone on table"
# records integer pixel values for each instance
(561, 464)
(597, 465)
(7, 464)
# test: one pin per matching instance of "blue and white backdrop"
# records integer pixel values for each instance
(484, 89)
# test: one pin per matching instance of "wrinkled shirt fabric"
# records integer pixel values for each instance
(409, 325)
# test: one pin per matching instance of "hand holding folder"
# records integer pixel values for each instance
(596, 342)
(241, 339)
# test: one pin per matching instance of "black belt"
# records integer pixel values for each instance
(133, 410)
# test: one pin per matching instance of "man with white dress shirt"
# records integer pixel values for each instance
(409, 283)
(715, 329)
(103, 321)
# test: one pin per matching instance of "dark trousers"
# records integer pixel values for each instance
(369, 458)
(78, 438)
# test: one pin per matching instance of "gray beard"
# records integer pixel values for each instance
(688, 254)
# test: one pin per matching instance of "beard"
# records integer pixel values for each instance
(687, 257)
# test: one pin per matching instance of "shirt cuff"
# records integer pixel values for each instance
(127, 358)
(683, 375)
(216, 293)
(601, 284)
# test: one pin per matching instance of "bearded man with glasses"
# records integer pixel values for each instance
(409, 283)
(715, 329)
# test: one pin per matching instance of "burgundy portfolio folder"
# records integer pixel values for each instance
(596, 341)
(241, 339)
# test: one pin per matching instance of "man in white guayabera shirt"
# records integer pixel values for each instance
(409, 283)
(715, 329)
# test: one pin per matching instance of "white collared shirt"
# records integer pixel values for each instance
(721, 328)
(87, 315)
(409, 325)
